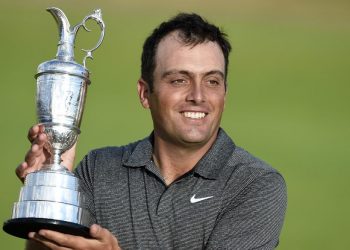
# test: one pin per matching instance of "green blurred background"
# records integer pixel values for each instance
(288, 94)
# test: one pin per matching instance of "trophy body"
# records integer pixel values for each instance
(50, 197)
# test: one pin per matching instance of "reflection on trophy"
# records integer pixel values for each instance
(50, 197)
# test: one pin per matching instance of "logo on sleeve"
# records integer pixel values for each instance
(194, 199)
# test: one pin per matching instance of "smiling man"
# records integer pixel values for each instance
(187, 185)
(186, 99)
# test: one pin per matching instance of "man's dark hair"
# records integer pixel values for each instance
(193, 30)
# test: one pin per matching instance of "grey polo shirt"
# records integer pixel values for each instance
(230, 200)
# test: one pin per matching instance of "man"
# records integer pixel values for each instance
(187, 185)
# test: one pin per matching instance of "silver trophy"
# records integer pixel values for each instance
(50, 197)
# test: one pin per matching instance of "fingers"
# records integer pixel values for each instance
(59, 238)
(56, 240)
(36, 237)
(22, 171)
(33, 161)
(35, 131)
(101, 239)
(103, 235)
(36, 156)
(36, 150)
(96, 231)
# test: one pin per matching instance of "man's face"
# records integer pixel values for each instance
(189, 92)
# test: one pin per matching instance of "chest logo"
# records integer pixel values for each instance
(195, 200)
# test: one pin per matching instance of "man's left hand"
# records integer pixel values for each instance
(101, 238)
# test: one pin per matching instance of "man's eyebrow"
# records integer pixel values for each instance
(185, 72)
(215, 72)
(174, 72)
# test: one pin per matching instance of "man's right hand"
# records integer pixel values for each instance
(38, 155)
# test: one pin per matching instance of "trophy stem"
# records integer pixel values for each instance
(57, 157)
(56, 165)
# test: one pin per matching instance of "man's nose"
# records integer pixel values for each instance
(196, 93)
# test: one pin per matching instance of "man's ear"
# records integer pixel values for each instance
(226, 91)
(143, 92)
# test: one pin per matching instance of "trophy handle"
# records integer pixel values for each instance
(97, 16)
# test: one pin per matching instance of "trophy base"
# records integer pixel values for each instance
(20, 227)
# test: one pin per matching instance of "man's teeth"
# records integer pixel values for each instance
(194, 115)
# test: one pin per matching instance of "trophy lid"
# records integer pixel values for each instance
(57, 66)
(64, 62)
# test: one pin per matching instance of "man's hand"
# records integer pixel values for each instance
(101, 238)
(38, 155)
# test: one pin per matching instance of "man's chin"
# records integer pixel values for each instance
(195, 140)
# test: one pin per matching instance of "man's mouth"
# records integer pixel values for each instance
(194, 115)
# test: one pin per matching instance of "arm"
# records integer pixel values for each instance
(255, 219)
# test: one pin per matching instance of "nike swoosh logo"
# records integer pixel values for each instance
(195, 200)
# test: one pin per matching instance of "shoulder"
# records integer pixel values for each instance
(237, 161)
(238, 169)
(242, 159)
(250, 167)
(105, 158)
(112, 153)
(253, 207)
(249, 176)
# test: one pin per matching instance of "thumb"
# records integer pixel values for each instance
(99, 233)
(96, 232)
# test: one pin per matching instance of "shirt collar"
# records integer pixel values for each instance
(213, 161)
(141, 154)
(208, 166)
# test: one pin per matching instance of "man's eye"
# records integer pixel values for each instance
(178, 81)
(212, 82)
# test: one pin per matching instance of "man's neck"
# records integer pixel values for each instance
(175, 160)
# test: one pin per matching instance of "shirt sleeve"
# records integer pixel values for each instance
(85, 172)
(254, 219)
